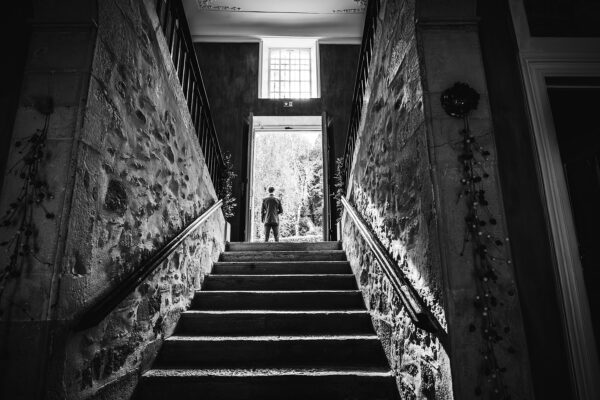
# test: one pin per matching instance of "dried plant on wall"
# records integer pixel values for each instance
(19, 220)
(481, 241)
(226, 187)
(339, 186)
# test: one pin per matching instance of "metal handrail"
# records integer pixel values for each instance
(172, 19)
(420, 315)
(110, 300)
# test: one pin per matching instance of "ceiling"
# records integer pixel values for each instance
(333, 21)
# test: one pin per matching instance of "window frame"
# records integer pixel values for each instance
(292, 43)
(290, 72)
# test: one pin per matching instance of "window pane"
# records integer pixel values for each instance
(289, 73)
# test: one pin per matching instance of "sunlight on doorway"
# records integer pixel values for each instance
(290, 159)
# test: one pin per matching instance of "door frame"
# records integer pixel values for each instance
(249, 179)
(577, 320)
(541, 58)
(326, 196)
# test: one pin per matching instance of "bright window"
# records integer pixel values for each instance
(289, 73)
(289, 68)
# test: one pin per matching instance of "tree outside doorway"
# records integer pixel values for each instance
(291, 162)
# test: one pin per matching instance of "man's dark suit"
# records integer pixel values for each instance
(271, 208)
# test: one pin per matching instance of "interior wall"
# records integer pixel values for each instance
(392, 188)
(127, 174)
(56, 70)
(526, 220)
(559, 18)
(230, 73)
(451, 52)
(406, 180)
(15, 43)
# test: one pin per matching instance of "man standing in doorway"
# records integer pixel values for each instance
(271, 208)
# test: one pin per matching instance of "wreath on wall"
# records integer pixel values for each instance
(487, 249)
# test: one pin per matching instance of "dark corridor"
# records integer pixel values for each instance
(575, 116)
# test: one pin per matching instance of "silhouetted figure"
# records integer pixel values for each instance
(271, 208)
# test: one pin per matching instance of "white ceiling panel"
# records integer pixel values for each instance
(333, 21)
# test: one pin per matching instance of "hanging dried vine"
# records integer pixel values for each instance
(339, 186)
(487, 249)
(22, 245)
(226, 187)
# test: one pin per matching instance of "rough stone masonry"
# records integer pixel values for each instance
(129, 174)
(404, 182)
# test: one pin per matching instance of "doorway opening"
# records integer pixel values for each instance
(289, 154)
(573, 110)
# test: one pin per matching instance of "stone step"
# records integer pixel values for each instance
(270, 351)
(273, 246)
(280, 282)
(269, 384)
(279, 300)
(317, 255)
(282, 267)
(274, 321)
(256, 322)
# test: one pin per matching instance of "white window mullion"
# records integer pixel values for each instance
(289, 72)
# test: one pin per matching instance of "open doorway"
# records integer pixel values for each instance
(289, 154)
(573, 110)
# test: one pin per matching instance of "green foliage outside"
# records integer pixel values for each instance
(291, 162)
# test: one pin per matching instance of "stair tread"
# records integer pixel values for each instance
(202, 292)
(266, 372)
(277, 276)
(337, 251)
(282, 255)
(223, 268)
(243, 263)
(245, 246)
(274, 317)
(279, 312)
(269, 338)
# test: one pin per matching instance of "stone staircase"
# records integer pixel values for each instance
(274, 321)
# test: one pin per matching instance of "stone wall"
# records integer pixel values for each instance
(393, 190)
(451, 52)
(405, 181)
(128, 175)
